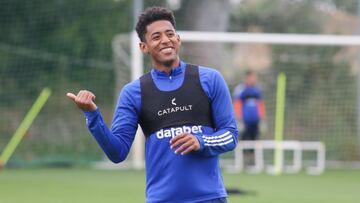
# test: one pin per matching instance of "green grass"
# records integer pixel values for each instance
(86, 185)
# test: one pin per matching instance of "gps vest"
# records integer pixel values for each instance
(187, 105)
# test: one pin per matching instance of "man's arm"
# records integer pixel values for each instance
(237, 102)
(225, 136)
(115, 143)
(238, 109)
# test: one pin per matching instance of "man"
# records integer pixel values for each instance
(249, 106)
(184, 111)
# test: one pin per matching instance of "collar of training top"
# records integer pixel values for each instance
(174, 72)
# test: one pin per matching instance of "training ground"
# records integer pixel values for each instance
(94, 186)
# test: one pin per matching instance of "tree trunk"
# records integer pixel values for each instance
(206, 15)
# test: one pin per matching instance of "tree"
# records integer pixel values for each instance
(204, 15)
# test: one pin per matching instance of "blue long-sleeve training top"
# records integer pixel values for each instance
(171, 177)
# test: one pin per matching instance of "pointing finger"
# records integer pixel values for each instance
(71, 96)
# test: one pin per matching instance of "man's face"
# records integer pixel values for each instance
(162, 43)
(251, 79)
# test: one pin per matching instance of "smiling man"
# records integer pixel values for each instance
(185, 112)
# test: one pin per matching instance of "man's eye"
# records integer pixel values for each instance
(156, 38)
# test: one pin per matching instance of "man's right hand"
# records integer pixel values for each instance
(84, 100)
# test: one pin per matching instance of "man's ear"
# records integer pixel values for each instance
(178, 38)
(143, 47)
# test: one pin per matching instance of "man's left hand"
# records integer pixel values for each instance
(184, 143)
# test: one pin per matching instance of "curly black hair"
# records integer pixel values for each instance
(151, 15)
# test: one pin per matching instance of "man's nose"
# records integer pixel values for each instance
(165, 39)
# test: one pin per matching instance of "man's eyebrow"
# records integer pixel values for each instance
(170, 30)
(155, 33)
(158, 32)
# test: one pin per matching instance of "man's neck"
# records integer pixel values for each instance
(167, 69)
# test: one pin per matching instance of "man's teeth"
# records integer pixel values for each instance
(166, 49)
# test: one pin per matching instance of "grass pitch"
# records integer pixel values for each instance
(93, 186)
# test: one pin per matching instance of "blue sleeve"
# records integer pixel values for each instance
(225, 136)
(116, 142)
(238, 91)
(259, 92)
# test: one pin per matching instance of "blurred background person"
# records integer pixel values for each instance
(249, 109)
(249, 106)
